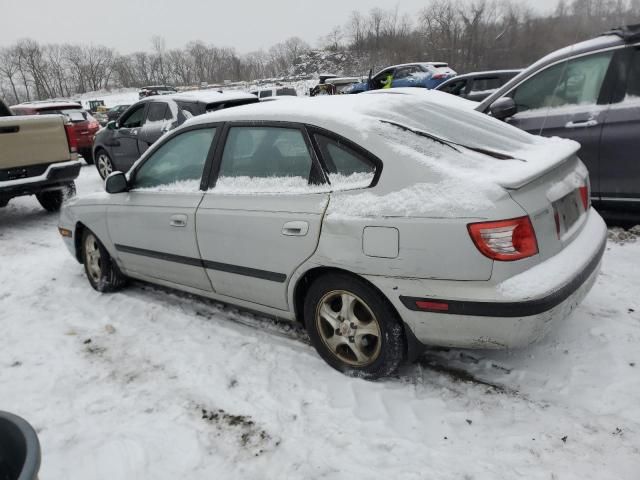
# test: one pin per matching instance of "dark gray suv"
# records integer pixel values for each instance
(588, 92)
(121, 142)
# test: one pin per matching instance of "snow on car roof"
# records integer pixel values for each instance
(210, 96)
(46, 105)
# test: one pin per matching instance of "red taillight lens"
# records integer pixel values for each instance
(584, 196)
(438, 76)
(505, 240)
(72, 140)
(430, 306)
(94, 125)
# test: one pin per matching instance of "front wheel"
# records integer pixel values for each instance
(103, 164)
(353, 328)
(102, 272)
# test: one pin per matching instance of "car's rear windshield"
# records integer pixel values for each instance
(4, 111)
(213, 107)
(73, 114)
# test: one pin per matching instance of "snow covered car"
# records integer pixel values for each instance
(422, 75)
(384, 222)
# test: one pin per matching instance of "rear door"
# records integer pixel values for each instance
(569, 100)
(262, 218)
(620, 146)
(153, 225)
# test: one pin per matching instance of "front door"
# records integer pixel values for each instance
(565, 100)
(125, 139)
(620, 149)
(262, 218)
(153, 225)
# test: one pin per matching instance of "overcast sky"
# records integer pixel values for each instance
(128, 25)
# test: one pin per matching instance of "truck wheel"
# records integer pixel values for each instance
(103, 163)
(354, 328)
(87, 155)
(52, 200)
(102, 272)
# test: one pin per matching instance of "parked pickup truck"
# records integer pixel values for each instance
(37, 157)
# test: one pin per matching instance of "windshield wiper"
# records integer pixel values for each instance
(451, 144)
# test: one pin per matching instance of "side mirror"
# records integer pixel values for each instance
(116, 182)
(503, 108)
(19, 448)
(112, 125)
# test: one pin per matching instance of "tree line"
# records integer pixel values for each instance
(468, 34)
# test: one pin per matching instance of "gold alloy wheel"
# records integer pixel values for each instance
(92, 258)
(348, 328)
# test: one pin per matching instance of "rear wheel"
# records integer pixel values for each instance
(52, 200)
(353, 328)
(103, 163)
(102, 272)
(87, 154)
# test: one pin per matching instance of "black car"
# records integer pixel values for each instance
(121, 143)
(152, 90)
(588, 92)
(477, 86)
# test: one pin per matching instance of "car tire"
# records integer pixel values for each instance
(104, 164)
(338, 310)
(52, 200)
(102, 272)
(87, 155)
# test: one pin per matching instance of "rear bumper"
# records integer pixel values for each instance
(512, 314)
(57, 175)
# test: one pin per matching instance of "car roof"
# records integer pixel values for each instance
(48, 105)
(484, 74)
(423, 64)
(204, 96)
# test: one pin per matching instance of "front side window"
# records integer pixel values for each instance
(178, 164)
(455, 88)
(134, 119)
(347, 168)
(574, 82)
(264, 160)
(266, 93)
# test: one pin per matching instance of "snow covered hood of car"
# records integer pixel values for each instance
(427, 113)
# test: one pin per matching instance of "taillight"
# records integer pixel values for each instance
(585, 197)
(94, 125)
(438, 76)
(505, 240)
(72, 140)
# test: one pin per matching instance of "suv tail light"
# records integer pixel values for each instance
(505, 240)
(438, 76)
(72, 140)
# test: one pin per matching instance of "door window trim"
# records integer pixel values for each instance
(212, 149)
(313, 130)
(317, 170)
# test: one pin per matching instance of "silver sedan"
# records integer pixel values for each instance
(383, 222)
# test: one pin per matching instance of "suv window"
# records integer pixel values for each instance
(266, 93)
(134, 119)
(156, 112)
(405, 72)
(264, 159)
(574, 82)
(455, 88)
(346, 167)
(178, 164)
(633, 77)
(483, 84)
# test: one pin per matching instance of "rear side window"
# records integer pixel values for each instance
(633, 78)
(486, 83)
(156, 112)
(264, 159)
(575, 82)
(282, 92)
(455, 88)
(177, 165)
(347, 169)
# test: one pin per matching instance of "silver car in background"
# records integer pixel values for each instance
(384, 222)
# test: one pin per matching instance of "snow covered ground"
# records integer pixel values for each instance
(150, 383)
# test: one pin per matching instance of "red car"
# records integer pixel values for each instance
(84, 125)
